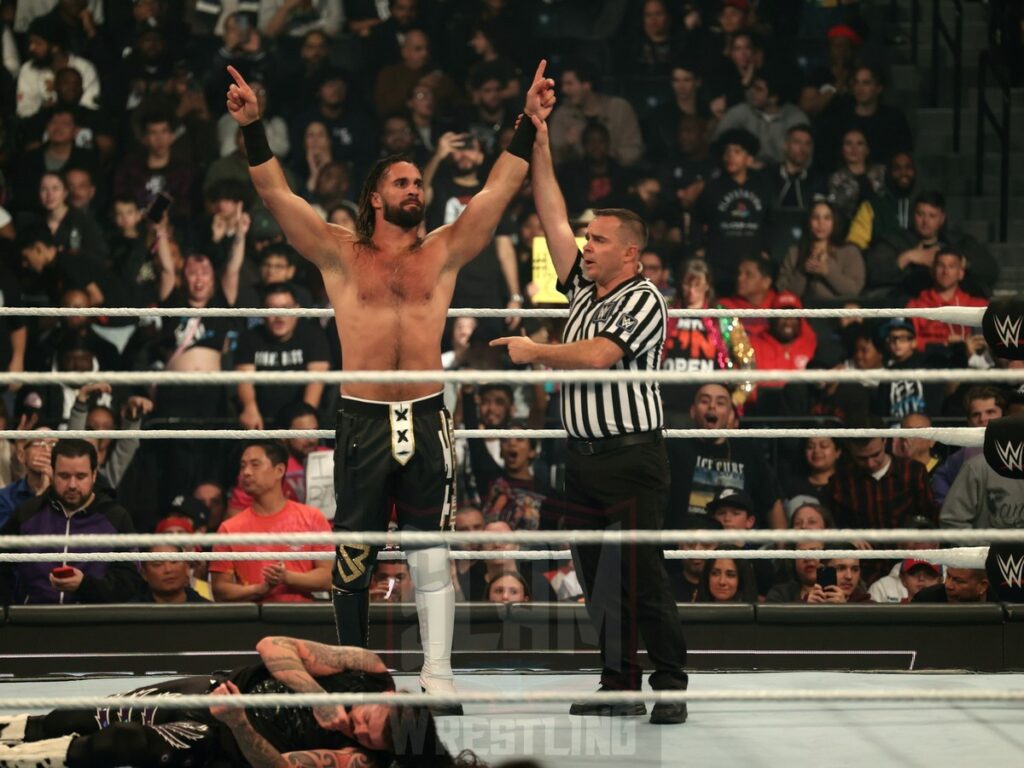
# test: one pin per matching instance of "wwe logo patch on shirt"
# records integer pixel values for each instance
(626, 322)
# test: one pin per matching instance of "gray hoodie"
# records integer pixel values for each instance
(982, 498)
(123, 450)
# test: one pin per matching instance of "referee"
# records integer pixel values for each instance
(617, 473)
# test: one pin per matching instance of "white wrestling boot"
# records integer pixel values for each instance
(12, 728)
(435, 608)
(49, 753)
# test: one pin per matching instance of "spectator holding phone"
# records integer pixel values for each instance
(811, 582)
(70, 506)
(847, 577)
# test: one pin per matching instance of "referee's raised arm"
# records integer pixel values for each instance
(550, 203)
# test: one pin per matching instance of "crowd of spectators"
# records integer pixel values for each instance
(760, 141)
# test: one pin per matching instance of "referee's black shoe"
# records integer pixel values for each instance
(668, 714)
(608, 710)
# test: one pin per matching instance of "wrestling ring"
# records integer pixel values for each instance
(749, 718)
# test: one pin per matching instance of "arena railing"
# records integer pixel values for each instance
(954, 39)
(989, 66)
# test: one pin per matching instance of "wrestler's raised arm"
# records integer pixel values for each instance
(473, 230)
(303, 227)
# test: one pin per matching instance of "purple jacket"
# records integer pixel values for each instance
(24, 583)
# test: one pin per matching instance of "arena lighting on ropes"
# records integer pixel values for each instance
(898, 536)
(274, 700)
(969, 316)
(960, 436)
(961, 557)
(467, 376)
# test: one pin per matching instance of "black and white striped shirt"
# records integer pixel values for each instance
(634, 317)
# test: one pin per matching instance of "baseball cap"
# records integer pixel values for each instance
(910, 564)
(175, 521)
(730, 497)
(787, 300)
(850, 32)
(188, 507)
(898, 324)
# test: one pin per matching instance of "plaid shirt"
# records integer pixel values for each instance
(861, 501)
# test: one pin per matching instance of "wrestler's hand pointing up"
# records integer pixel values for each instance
(540, 99)
(242, 102)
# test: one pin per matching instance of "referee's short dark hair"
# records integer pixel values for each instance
(632, 221)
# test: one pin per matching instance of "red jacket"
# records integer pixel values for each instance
(933, 331)
(754, 326)
(771, 354)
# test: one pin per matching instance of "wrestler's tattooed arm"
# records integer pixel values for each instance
(294, 662)
(260, 753)
(322, 758)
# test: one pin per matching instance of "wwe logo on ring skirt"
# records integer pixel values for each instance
(1004, 446)
(1002, 326)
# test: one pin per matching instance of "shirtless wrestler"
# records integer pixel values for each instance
(391, 288)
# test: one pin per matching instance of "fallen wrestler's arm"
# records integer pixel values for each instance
(294, 662)
(260, 753)
(306, 658)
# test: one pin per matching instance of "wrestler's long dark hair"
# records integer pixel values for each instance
(366, 218)
(412, 733)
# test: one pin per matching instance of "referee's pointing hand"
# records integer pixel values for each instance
(521, 349)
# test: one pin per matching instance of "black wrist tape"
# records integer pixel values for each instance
(256, 147)
(522, 141)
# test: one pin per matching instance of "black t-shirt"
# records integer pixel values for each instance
(10, 296)
(700, 467)
(737, 220)
(480, 282)
(64, 272)
(308, 344)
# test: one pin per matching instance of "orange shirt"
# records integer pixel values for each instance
(293, 518)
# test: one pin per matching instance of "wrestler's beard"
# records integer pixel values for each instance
(404, 217)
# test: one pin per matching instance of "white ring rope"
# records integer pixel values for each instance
(963, 557)
(963, 436)
(410, 539)
(732, 375)
(268, 700)
(970, 316)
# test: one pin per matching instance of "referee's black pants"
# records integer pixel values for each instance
(626, 587)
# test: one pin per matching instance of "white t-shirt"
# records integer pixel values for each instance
(36, 89)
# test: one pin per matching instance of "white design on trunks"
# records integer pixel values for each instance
(403, 437)
(181, 735)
